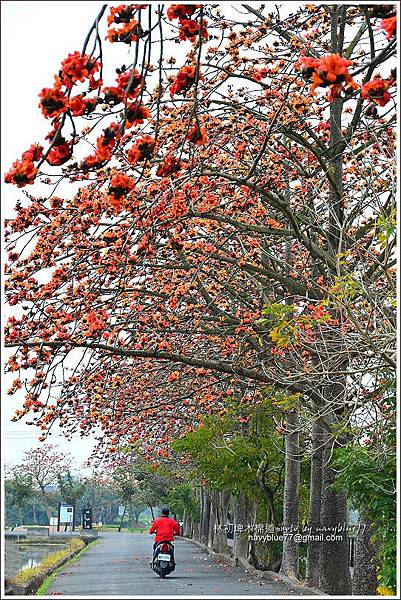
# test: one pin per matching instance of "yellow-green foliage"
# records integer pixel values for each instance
(24, 576)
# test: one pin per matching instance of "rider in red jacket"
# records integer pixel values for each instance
(164, 527)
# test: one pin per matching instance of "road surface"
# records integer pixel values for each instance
(118, 565)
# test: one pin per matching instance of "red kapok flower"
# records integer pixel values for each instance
(390, 26)
(97, 321)
(106, 142)
(307, 66)
(170, 166)
(197, 135)
(136, 114)
(34, 153)
(181, 11)
(120, 14)
(142, 149)
(77, 105)
(113, 95)
(90, 105)
(130, 32)
(60, 153)
(77, 68)
(184, 80)
(22, 173)
(120, 185)
(53, 102)
(123, 80)
(331, 69)
(189, 30)
(376, 91)
(124, 15)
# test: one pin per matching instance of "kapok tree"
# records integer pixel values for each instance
(259, 173)
(44, 465)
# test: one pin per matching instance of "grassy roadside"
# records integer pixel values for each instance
(42, 591)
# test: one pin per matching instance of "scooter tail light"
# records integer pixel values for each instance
(165, 548)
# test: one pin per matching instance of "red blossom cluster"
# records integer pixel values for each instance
(376, 90)
(132, 80)
(169, 166)
(82, 106)
(181, 11)
(97, 321)
(329, 71)
(141, 150)
(118, 93)
(189, 29)
(136, 114)
(23, 171)
(124, 15)
(77, 68)
(197, 135)
(53, 102)
(120, 186)
(60, 152)
(390, 27)
(104, 147)
(184, 80)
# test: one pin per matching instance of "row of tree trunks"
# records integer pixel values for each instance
(327, 563)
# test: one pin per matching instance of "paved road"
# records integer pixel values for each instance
(118, 565)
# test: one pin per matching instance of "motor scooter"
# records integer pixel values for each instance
(163, 561)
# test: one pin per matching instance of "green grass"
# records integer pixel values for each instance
(42, 591)
(24, 576)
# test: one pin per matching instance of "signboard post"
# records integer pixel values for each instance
(66, 516)
(86, 518)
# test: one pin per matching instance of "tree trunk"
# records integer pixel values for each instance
(290, 557)
(35, 520)
(241, 532)
(219, 508)
(121, 520)
(152, 513)
(185, 525)
(315, 497)
(335, 577)
(205, 518)
(195, 530)
(212, 523)
(364, 581)
(45, 503)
